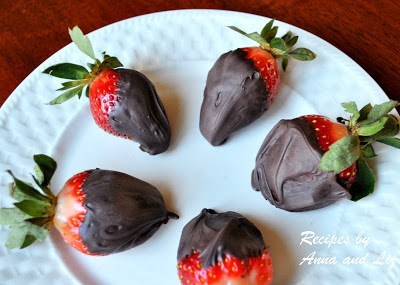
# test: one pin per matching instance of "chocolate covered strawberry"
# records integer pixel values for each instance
(123, 102)
(223, 248)
(310, 162)
(98, 212)
(244, 82)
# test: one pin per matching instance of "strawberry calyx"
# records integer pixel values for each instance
(365, 126)
(80, 77)
(32, 216)
(280, 47)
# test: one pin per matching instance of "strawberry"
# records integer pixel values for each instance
(328, 132)
(98, 212)
(223, 248)
(311, 162)
(243, 83)
(123, 102)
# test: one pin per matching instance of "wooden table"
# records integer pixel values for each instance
(367, 31)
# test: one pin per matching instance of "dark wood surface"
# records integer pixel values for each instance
(367, 31)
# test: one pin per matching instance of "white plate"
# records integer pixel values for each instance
(176, 49)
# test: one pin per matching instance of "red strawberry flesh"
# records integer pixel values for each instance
(104, 96)
(266, 64)
(328, 132)
(223, 248)
(70, 211)
(230, 270)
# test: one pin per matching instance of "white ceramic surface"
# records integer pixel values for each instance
(176, 49)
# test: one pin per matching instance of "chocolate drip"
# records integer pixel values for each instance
(235, 95)
(217, 234)
(122, 212)
(287, 169)
(140, 113)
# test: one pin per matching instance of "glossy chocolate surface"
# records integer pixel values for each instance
(235, 95)
(140, 113)
(287, 169)
(122, 212)
(217, 234)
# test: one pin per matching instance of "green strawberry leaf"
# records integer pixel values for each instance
(29, 239)
(80, 93)
(368, 151)
(365, 181)
(267, 28)
(390, 129)
(380, 110)
(271, 34)
(11, 217)
(34, 208)
(254, 36)
(394, 142)
(38, 232)
(285, 61)
(287, 36)
(113, 62)
(87, 91)
(372, 128)
(341, 154)
(40, 221)
(70, 84)
(291, 42)
(365, 111)
(39, 176)
(15, 238)
(110, 62)
(82, 41)
(67, 71)
(24, 234)
(22, 189)
(302, 54)
(16, 194)
(278, 43)
(46, 166)
(67, 95)
(351, 107)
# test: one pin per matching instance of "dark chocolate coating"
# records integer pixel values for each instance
(214, 235)
(140, 113)
(122, 212)
(287, 169)
(235, 95)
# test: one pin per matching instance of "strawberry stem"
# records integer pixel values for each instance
(342, 120)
